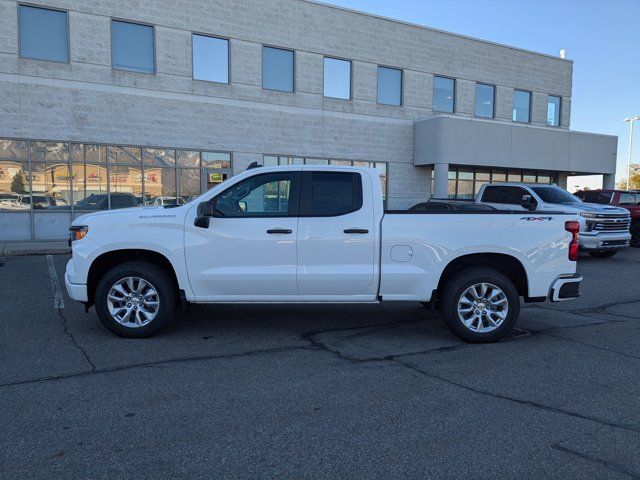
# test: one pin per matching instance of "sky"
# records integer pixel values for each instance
(602, 37)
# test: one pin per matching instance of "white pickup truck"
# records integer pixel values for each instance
(604, 229)
(318, 234)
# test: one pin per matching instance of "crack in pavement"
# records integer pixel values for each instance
(613, 466)
(155, 363)
(597, 347)
(530, 403)
(67, 332)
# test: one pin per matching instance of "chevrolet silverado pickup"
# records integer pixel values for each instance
(604, 229)
(316, 234)
(627, 199)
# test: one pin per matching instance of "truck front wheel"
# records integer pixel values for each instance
(635, 236)
(135, 299)
(480, 305)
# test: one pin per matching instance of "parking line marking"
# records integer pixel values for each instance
(58, 302)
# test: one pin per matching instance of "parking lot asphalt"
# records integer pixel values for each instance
(313, 391)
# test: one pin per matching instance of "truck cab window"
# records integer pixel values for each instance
(503, 194)
(270, 194)
(331, 193)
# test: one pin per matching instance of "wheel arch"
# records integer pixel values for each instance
(506, 264)
(106, 261)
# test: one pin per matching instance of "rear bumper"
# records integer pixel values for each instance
(604, 240)
(566, 288)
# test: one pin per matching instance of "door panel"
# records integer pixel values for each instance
(336, 238)
(249, 251)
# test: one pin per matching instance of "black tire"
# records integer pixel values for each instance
(603, 253)
(635, 236)
(160, 280)
(459, 283)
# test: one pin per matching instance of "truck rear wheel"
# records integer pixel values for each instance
(480, 305)
(135, 299)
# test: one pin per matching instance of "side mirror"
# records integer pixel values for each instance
(206, 210)
(528, 202)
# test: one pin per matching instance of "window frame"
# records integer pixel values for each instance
(153, 39)
(193, 68)
(294, 195)
(455, 91)
(493, 101)
(513, 101)
(68, 32)
(378, 67)
(559, 97)
(305, 210)
(293, 73)
(350, 77)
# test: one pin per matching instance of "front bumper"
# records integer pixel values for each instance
(604, 240)
(566, 288)
(77, 291)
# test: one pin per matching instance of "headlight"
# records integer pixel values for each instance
(588, 215)
(77, 232)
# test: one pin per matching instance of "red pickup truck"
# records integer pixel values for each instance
(629, 199)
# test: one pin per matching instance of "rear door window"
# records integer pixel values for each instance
(504, 194)
(327, 194)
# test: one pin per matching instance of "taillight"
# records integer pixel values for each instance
(574, 228)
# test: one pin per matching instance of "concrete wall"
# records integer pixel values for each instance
(85, 100)
(510, 145)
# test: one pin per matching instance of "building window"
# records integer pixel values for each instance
(132, 47)
(521, 106)
(444, 91)
(210, 58)
(44, 34)
(337, 78)
(485, 100)
(389, 86)
(465, 182)
(277, 69)
(553, 110)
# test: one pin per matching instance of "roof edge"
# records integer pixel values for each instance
(437, 30)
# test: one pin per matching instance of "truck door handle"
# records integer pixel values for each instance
(356, 230)
(279, 230)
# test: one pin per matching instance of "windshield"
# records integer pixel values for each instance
(553, 194)
(603, 198)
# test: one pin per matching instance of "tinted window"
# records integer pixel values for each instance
(123, 201)
(484, 100)
(43, 34)
(521, 106)
(210, 59)
(277, 69)
(132, 47)
(332, 193)
(553, 111)
(262, 195)
(629, 199)
(443, 94)
(389, 86)
(504, 194)
(337, 78)
(603, 198)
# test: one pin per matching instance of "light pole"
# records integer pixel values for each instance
(630, 120)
